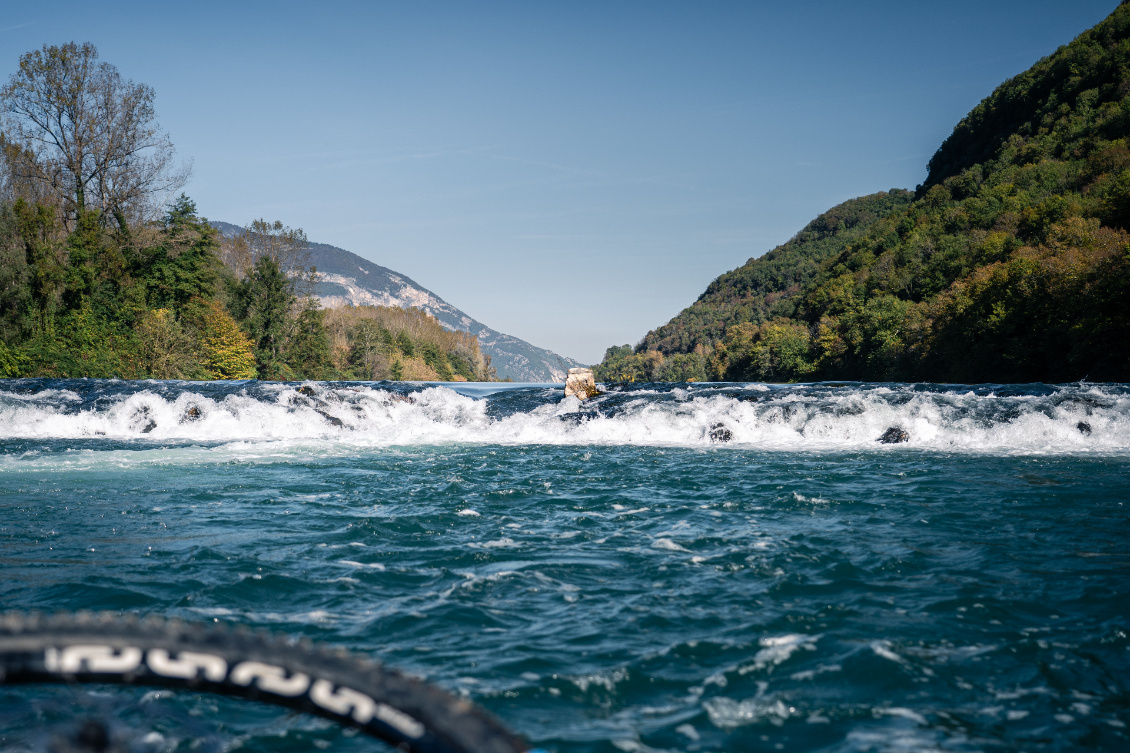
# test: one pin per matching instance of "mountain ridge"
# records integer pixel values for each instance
(347, 279)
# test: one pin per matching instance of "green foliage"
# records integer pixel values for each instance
(1009, 264)
(772, 352)
(100, 302)
(83, 247)
(262, 304)
(766, 287)
(622, 365)
(82, 345)
(43, 253)
(15, 289)
(405, 344)
(11, 362)
(437, 360)
(184, 264)
(308, 350)
(461, 366)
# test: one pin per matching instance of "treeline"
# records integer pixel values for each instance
(378, 342)
(100, 277)
(760, 290)
(1011, 264)
(165, 306)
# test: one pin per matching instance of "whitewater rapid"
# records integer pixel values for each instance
(1008, 419)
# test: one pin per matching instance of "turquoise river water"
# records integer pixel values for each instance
(694, 567)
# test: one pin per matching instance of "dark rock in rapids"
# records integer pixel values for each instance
(143, 415)
(1084, 428)
(193, 413)
(894, 435)
(334, 420)
(306, 390)
(719, 433)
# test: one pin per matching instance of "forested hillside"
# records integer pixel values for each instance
(759, 290)
(1011, 264)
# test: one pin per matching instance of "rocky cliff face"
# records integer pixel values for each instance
(346, 279)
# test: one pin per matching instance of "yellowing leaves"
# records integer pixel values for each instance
(227, 353)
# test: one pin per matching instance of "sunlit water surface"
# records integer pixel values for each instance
(605, 576)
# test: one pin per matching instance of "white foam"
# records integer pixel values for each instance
(777, 650)
(882, 648)
(804, 419)
(903, 713)
(726, 713)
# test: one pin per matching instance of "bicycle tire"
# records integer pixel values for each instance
(349, 689)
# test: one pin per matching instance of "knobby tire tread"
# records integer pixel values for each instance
(403, 711)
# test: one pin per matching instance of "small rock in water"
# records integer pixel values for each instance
(306, 390)
(149, 427)
(719, 433)
(193, 413)
(894, 435)
(1084, 428)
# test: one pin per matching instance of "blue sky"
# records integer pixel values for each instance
(573, 173)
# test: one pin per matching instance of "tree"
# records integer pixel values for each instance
(182, 264)
(274, 300)
(287, 246)
(76, 131)
(226, 350)
(43, 255)
(308, 351)
(15, 289)
(263, 301)
(166, 350)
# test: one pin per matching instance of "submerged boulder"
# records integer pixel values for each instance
(720, 433)
(142, 421)
(1084, 428)
(396, 397)
(894, 435)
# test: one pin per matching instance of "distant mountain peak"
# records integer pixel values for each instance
(346, 279)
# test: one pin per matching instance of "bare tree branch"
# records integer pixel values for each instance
(75, 130)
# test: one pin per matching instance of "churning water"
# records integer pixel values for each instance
(665, 567)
